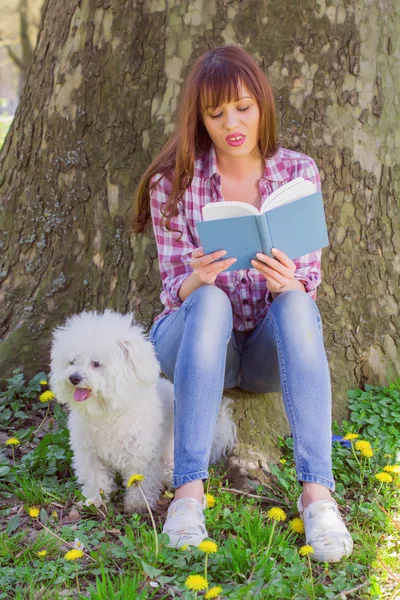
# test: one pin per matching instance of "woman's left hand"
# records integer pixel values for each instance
(278, 273)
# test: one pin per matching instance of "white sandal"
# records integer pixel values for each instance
(325, 530)
(185, 522)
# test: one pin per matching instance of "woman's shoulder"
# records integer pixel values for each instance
(290, 164)
(162, 180)
(292, 156)
(200, 171)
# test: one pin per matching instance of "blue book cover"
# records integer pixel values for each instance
(296, 228)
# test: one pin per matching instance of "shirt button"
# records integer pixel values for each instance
(248, 319)
(245, 301)
(243, 280)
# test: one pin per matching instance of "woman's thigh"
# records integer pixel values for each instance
(167, 333)
(288, 333)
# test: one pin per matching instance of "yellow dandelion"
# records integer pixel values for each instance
(134, 479)
(12, 441)
(306, 550)
(210, 500)
(213, 592)
(392, 469)
(54, 514)
(297, 525)
(364, 447)
(282, 461)
(42, 553)
(46, 396)
(351, 436)
(384, 477)
(34, 512)
(196, 583)
(208, 546)
(73, 554)
(184, 547)
(43, 382)
(276, 514)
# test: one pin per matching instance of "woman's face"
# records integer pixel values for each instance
(237, 117)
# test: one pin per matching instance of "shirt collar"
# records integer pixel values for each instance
(275, 169)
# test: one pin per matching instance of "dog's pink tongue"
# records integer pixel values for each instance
(80, 394)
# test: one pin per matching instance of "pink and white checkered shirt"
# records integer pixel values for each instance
(246, 288)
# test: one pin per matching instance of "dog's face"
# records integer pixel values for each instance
(99, 361)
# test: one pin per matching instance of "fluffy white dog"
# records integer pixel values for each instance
(121, 410)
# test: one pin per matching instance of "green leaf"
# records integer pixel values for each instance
(60, 415)
(354, 393)
(374, 420)
(151, 571)
(119, 552)
(43, 516)
(369, 387)
(129, 545)
(163, 579)
(4, 470)
(13, 524)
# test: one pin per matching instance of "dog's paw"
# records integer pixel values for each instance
(131, 506)
(134, 502)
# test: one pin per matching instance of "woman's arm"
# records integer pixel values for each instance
(174, 250)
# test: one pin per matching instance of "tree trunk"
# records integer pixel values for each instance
(99, 103)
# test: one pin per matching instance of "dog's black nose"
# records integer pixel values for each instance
(75, 379)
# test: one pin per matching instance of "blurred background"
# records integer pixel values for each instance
(19, 27)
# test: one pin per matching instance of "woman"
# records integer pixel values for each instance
(258, 328)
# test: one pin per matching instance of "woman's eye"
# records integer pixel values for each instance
(96, 364)
(241, 109)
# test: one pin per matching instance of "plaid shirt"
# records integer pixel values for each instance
(246, 288)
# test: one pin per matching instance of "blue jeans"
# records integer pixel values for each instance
(199, 351)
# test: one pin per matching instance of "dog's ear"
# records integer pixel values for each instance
(141, 356)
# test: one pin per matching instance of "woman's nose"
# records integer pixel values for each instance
(231, 119)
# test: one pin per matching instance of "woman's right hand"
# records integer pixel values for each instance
(204, 267)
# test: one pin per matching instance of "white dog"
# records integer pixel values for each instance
(121, 410)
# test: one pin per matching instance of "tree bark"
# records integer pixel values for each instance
(99, 103)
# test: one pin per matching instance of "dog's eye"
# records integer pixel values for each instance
(95, 363)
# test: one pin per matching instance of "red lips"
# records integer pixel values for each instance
(233, 135)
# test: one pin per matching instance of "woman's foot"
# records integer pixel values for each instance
(313, 492)
(324, 527)
(185, 522)
(193, 489)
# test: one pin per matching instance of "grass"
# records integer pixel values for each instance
(120, 560)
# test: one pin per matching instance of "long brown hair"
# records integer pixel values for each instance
(213, 79)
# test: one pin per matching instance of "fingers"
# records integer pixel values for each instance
(223, 264)
(197, 252)
(199, 259)
(284, 269)
(217, 266)
(283, 258)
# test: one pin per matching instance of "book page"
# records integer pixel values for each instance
(280, 191)
(299, 189)
(228, 209)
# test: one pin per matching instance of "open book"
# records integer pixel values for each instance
(291, 219)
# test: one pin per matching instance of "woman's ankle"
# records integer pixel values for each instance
(193, 489)
(313, 492)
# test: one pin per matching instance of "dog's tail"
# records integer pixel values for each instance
(225, 436)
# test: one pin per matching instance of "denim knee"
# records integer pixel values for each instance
(293, 305)
(297, 318)
(210, 303)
